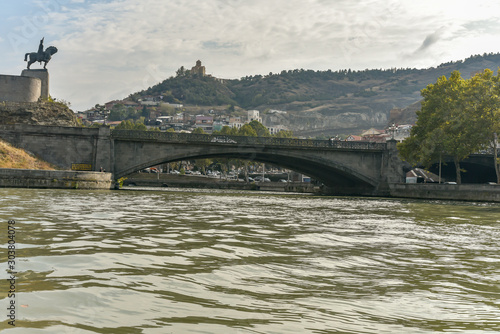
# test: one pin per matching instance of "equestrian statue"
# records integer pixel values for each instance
(40, 56)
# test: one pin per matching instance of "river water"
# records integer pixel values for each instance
(193, 261)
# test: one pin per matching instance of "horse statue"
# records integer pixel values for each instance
(40, 56)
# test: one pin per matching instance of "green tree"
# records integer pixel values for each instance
(247, 130)
(260, 129)
(202, 164)
(181, 72)
(140, 126)
(199, 131)
(124, 125)
(484, 100)
(129, 125)
(284, 134)
(439, 125)
(458, 117)
(228, 131)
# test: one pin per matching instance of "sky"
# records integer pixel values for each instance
(109, 49)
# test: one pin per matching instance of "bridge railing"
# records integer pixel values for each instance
(173, 137)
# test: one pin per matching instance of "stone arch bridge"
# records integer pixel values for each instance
(359, 168)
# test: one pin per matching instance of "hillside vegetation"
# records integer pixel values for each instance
(39, 113)
(317, 100)
(11, 157)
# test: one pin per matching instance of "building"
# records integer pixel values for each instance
(109, 105)
(235, 122)
(401, 132)
(198, 69)
(275, 129)
(274, 111)
(218, 125)
(204, 122)
(419, 175)
(353, 138)
(374, 135)
(173, 105)
(253, 115)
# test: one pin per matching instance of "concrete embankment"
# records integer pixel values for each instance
(54, 179)
(183, 181)
(455, 192)
(191, 181)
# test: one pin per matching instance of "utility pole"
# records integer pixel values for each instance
(263, 171)
(439, 168)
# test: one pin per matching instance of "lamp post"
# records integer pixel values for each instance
(392, 130)
(101, 110)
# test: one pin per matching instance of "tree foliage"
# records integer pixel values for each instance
(284, 134)
(458, 117)
(247, 130)
(199, 131)
(129, 125)
(260, 129)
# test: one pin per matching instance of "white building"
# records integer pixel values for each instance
(276, 128)
(235, 122)
(253, 115)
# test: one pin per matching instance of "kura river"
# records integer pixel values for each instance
(193, 261)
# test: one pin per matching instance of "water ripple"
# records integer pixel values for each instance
(188, 261)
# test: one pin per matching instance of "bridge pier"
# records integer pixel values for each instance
(392, 169)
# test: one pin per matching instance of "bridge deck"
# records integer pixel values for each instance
(172, 137)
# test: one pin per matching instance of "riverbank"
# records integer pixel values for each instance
(54, 179)
(203, 182)
(463, 192)
(455, 192)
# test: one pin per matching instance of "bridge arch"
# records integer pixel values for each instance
(324, 171)
(333, 166)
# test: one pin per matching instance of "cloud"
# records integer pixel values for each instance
(430, 40)
(119, 43)
(111, 48)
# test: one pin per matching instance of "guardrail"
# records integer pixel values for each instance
(173, 137)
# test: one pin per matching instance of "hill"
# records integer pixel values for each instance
(318, 102)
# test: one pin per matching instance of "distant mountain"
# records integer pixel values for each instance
(319, 102)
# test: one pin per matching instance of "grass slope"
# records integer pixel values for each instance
(11, 157)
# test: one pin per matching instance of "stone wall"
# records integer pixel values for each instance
(41, 74)
(54, 179)
(458, 192)
(19, 88)
(63, 146)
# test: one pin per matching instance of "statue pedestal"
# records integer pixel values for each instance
(41, 74)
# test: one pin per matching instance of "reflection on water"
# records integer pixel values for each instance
(181, 261)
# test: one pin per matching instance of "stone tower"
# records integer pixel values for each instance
(198, 69)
